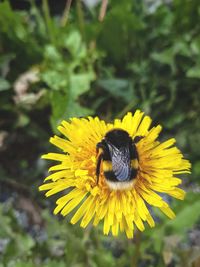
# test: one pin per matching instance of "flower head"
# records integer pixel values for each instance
(121, 208)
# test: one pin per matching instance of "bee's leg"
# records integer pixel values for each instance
(100, 157)
(99, 150)
(134, 152)
(137, 139)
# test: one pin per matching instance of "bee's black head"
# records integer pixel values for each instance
(118, 137)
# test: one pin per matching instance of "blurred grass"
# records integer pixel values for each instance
(145, 54)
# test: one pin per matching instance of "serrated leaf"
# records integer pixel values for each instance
(80, 83)
(75, 45)
(55, 80)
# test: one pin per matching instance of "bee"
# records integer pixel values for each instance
(118, 154)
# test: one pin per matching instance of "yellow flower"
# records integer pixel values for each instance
(120, 210)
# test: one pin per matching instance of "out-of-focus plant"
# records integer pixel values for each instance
(55, 54)
(140, 56)
(59, 243)
(152, 61)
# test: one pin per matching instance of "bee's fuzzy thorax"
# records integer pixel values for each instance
(118, 137)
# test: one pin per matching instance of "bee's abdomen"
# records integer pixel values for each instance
(133, 173)
(107, 165)
(109, 174)
(134, 163)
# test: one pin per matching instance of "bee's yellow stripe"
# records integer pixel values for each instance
(99, 151)
(107, 166)
(134, 164)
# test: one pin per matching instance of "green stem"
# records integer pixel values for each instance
(80, 18)
(103, 10)
(65, 16)
(136, 256)
(48, 20)
(126, 109)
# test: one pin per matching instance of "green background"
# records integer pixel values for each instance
(143, 55)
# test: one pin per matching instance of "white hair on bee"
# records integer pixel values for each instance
(120, 185)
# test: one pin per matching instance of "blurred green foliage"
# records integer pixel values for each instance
(141, 56)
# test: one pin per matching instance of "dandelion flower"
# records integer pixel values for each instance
(121, 208)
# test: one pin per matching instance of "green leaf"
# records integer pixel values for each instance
(59, 101)
(55, 80)
(4, 84)
(64, 107)
(25, 243)
(165, 57)
(74, 109)
(80, 83)
(194, 72)
(75, 45)
(52, 54)
(187, 214)
(119, 88)
(21, 263)
(5, 61)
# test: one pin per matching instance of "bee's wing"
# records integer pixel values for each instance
(120, 158)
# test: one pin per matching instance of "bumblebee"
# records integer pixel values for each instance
(118, 154)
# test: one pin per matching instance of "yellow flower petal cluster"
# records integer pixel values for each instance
(120, 210)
